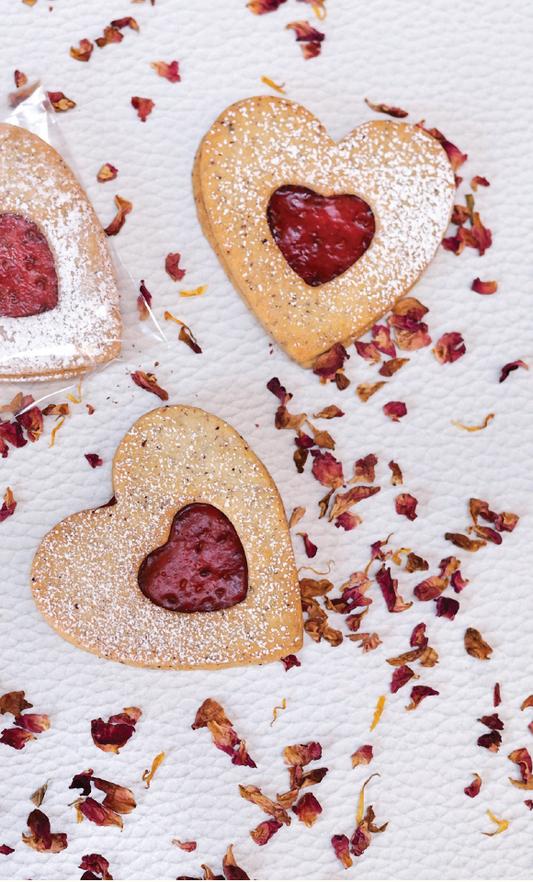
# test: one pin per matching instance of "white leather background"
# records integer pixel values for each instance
(465, 68)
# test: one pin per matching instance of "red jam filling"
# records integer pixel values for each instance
(201, 568)
(320, 237)
(28, 279)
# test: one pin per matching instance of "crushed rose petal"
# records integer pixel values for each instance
(149, 382)
(388, 368)
(348, 521)
(406, 504)
(449, 348)
(418, 693)
(108, 172)
(144, 302)
(341, 847)
(329, 363)
(40, 838)
(172, 267)
(114, 734)
(395, 410)
(169, 71)
(447, 607)
(60, 102)
(368, 351)
(476, 646)
(8, 506)
(93, 459)
(124, 208)
(307, 809)
(512, 366)
(389, 589)
(396, 112)
(260, 7)
(143, 106)
(97, 867)
(84, 52)
(366, 390)
(474, 788)
(290, 661)
(401, 676)
(484, 287)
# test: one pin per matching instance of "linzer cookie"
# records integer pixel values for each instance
(59, 303)
(320, 239)
(189, 566)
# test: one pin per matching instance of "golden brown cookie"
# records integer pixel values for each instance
(85, 576)
(261, 145)
(59, 303)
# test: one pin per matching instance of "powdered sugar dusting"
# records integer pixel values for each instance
(84, 328)
(404, 175)
(85, 573)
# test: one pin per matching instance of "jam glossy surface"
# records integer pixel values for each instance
(320, 237)
(202, 567)
(28, 279)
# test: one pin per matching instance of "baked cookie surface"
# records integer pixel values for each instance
(262, 144)
(85, 573)
(84, 328)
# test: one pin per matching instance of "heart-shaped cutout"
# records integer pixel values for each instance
(202, 565)
(59, 301)
(320, 237)
(87, 571)
(28, 278)
(264, 144)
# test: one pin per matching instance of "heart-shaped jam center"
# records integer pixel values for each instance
(28, 278)
(202, 567)
(320, 237)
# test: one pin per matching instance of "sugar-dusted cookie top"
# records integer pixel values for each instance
(405, 189)
(45, 211)
(87, 576)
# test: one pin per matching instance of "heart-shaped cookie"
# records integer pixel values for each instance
(59, 302)
(264, 145)
(99, 576)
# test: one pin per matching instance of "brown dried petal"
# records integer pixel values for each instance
(462, 541)
(302, 754)
(229, 865)
(253, 794)
(388, 368)
(406, 505)
(119, 799)
(84, 52)
(304, 31)
(476, 646)
(329, 413)
(172, 267)
(396, 112)
(60, 102)
(264, 832)
(523, 759)
(344, 501)
(368, 351)
(260, 7)
(368, 641)
(111, 35)
(348, 521)
(415, 563)
(149, 382)
(327, 470)
(474, 788)
(430, 588)
(124, 208)
(210, 710)
(13, 703)
(366, 390)
(327, 364)
(108, 172)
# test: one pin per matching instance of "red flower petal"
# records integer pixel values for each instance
(327, 364)
(449, 348)
(124, 208)
(290, 661)
(382, 340)
(36, 723)
(368, 351)
(304, 31)
(261, 7)
(482, 236)
(5, 849)
(478, 182)
(108, 172)
(96, 864)
(99, 814)
(406, 505)
(9, 505)
(16, 738)
(307, 809)
(84, 52)
(264, 832)
(401, 676)
(169, 71)
(418, 693)
(484, 287)
(389, 589)
(143, 106)
(512, 366)
(395, 410)
(327, 470)
(40, 838)
(341, 847)
(491, 741)
(172, 267)
(348, 521)
(149, 382)
(108, 737)
(474, 788)
(447, 607)
(365, 469)
(363, 756)
(396, 112)
(144, 302)
(94, 460)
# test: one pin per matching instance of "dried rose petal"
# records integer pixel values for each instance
(124, 208)
(310, 548)
(401, 676)
(491, 741)
(506, 521)
(449, 348)
(253, 794)
(474, 788)
(478, 182)
(487, 533)
(210, 710)
(341, 847)
(460, 214)
(185, 846)
(40, 838)
(366, 390)
(36, 723)
(264, 832)
(388, 368)
(364, 470)
(481, 235)
(229, 865)
(307, 809)
(476, 646)
(144, 302)
(396, 112)
(9, 505)
(95, 864)
(418, 693)
(84, 52)
(16, 738)
(260, 7)
(143, 106)
(20, 78)
(302, 754)
(492, 721)
(304, 31)
(395, 410)
(126, 22)
(108, 172)
(296, 516)
(448, 565)
(348, 521)
(457, 582)
(484, 287)
(5, 849)
(361, 837)
(512, 366)
(396, 477)
(13, 703)
(327, 470)
(462, 541)
(418, 637)
(327, 364)
(368, 351)
(172, 267)
(322, 438)
(415, 563)
(114, 734)
(93, 459)
(382, 340)
(497, 695)
(290, 661)
(523, 759)
(367, 641)
(454, 154)
(149, 382)
(447, 607)
(329, 413)
(111, 35)
(389, 589)
(99, 814)
(60, 102)
(363, 756)
(406, 505)
(344, 501)
(169, 71)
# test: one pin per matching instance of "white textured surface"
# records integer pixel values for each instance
(464, 68)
